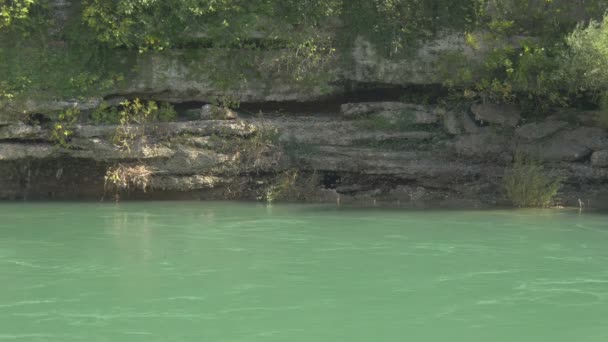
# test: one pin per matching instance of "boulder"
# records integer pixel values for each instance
(557, 150)
(535, 131)
(594, 138)
(501, 114)
(571, 145)
(600, 159)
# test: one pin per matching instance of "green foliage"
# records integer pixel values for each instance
(225, 102)
(165, 113)
(45, 57)
(547, 19)
(531, 75)
(11, 10)
(304, 59)
(94, 49)
(160, 25)
(588, 59)
(528, 184)
(394, 26)
(105, 114)
(63, 129)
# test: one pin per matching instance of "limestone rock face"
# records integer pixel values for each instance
(393, 111)
(22, 131)
(458, 123)
(486, 144)
(238, 159)
(500, 114)
(14, 151)
(48, 106)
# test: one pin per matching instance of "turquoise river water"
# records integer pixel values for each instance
(197, 271)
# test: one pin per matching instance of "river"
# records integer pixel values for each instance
(225, 271)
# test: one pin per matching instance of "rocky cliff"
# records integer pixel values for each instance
(371, 152)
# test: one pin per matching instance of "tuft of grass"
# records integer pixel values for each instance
(528, 184)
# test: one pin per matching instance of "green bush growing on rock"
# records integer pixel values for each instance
(165, 113)
(105, 114)
(63, 129)
(528, 184)
(133, 116)
(291, 185)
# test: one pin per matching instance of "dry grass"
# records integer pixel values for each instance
(122, 177)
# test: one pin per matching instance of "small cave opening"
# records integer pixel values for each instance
(351, 92)
(330, 180)
(35, 119)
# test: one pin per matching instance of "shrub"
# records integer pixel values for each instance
(63, 129)
(165, 113)
(528, 184)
